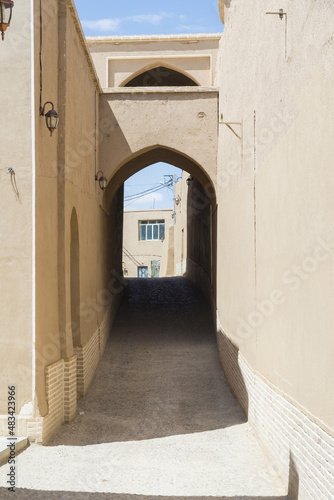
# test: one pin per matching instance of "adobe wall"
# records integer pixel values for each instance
(17, 200)
(140, 121)
(118, 58)
(66, 190)
(141, 253)
(275, 240)
(180, 229)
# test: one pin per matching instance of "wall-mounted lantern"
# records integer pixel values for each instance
(51, 117)
(102, 180)
(6, 8)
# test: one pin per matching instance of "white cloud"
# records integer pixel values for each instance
(150, 18)
(192, 29)
(147, 18)
(112, 25)
(102, 24)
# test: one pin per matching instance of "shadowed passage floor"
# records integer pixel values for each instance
(160, 374)
(159, 420)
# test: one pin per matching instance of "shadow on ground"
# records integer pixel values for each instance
(24, 494)
(160, 374)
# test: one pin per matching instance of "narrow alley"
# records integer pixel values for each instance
(159, 420)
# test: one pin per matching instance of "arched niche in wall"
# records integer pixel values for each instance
(75, 279)
(160, 75)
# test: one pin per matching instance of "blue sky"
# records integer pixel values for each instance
(150, 178)
(148, 17)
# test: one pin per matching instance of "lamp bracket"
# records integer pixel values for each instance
(280, 13)
(42, 108)
(229, 125)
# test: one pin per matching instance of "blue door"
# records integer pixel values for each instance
(155, 268)
(142, 272)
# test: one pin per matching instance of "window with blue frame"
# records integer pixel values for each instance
(150, 230)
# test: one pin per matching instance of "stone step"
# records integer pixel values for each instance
(20, 444)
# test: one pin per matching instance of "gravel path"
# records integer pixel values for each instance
(159, 420)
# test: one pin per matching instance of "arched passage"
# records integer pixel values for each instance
(160, 76)
(201, 209)
(149, 156)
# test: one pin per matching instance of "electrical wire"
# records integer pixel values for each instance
(131, 257)
(141, 196)
(155, 188)
(143, 193)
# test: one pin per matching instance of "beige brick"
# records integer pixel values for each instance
(282, 426)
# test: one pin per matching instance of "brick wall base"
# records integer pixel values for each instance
(89, 355)
(68, 379)
(300, 445)
(61, 395)
(65, 380)
(25, 426)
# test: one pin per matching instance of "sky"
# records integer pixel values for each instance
(151, 179)
(148, 17)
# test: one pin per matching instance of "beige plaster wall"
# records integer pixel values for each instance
(65, 183)
(118, 58)
(16, 208)
(180, 230)
(180, 122)
(275, 185)
(143, 252)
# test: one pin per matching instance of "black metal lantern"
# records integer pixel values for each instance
(6, 7)
(102, 180)
(51, 117)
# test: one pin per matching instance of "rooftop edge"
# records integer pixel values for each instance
(145, 38)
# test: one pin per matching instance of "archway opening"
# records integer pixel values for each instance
(154, 227)
(161, 76)
(163, 338)
(189, 238)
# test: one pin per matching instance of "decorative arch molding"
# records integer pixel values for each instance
(154, 154)
(160, 73)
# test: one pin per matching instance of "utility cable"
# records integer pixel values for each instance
(143, 193)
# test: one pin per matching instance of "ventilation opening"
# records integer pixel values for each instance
(161, 77)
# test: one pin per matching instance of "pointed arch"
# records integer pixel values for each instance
(158, 153)
(160, 74)
(149, 156)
